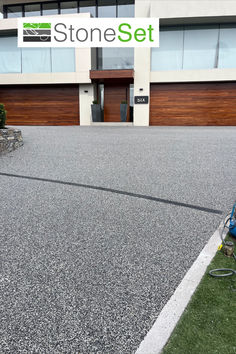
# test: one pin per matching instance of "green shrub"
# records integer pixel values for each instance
(95, 102)
(3, 116)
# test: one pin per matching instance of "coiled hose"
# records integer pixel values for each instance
(223, 272)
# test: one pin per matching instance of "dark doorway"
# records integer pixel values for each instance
(111, 94)
(114, 94)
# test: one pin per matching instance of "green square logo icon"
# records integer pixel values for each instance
(37, 32)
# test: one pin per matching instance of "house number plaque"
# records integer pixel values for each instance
(140, 99)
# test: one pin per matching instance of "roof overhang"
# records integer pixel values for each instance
(112, 74)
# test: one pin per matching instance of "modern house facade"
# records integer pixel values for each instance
(189, 80)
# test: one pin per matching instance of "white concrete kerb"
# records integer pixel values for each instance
(157, 337)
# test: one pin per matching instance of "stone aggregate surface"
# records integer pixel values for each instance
(88, 271)
(10, 139)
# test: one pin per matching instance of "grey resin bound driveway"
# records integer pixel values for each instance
(88, 270)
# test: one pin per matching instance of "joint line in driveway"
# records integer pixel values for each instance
(116, 191)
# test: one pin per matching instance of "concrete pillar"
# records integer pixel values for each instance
(85, 59)
(141, 84)
(142, 70)
(86, 96)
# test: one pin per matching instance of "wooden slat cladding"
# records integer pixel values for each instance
(41, 104)
(193, 104)
(114, 94)
(112, 74)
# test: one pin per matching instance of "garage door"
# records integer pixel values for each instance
(41, 104)
(193, 104)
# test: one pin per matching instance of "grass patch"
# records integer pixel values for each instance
(208, 325)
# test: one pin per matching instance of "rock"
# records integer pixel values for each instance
(10, 139)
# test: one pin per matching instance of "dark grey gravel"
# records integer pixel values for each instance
(88, 271)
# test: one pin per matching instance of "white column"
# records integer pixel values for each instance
(86, 96)
(85, 59)
(142, 85)
(142, 70)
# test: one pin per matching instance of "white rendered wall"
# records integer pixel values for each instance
(193, 75)
(190, 8)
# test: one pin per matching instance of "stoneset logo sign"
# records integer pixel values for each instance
(88, 32)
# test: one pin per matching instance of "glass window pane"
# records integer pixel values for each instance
(63, 60)
(169, 56)
(125, 8)
(227, 47)
(50, 8)
(32, 10)
(200, 47)
(106, 8)
(36, 60)
(115, 58)
(131, 102)
(69, 7)
(101, 95)
(88, 6)
(14, 11)
(10, 55)
(131, 95)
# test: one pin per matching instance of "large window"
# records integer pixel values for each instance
(125, 8)
(106, 8)
(69, 7)
(195, 47)
(100, 8)
(34, 60)
(88, 6)
(10, 55)
(200, 47)
(63, 60)
(170, 53)
(227, 46)
(14, 11)
(50, 8)
(115, 58)
(32, 10)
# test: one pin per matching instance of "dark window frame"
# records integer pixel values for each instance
(48, 2)
(69, 1)
(32, 3)
(5, 7)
